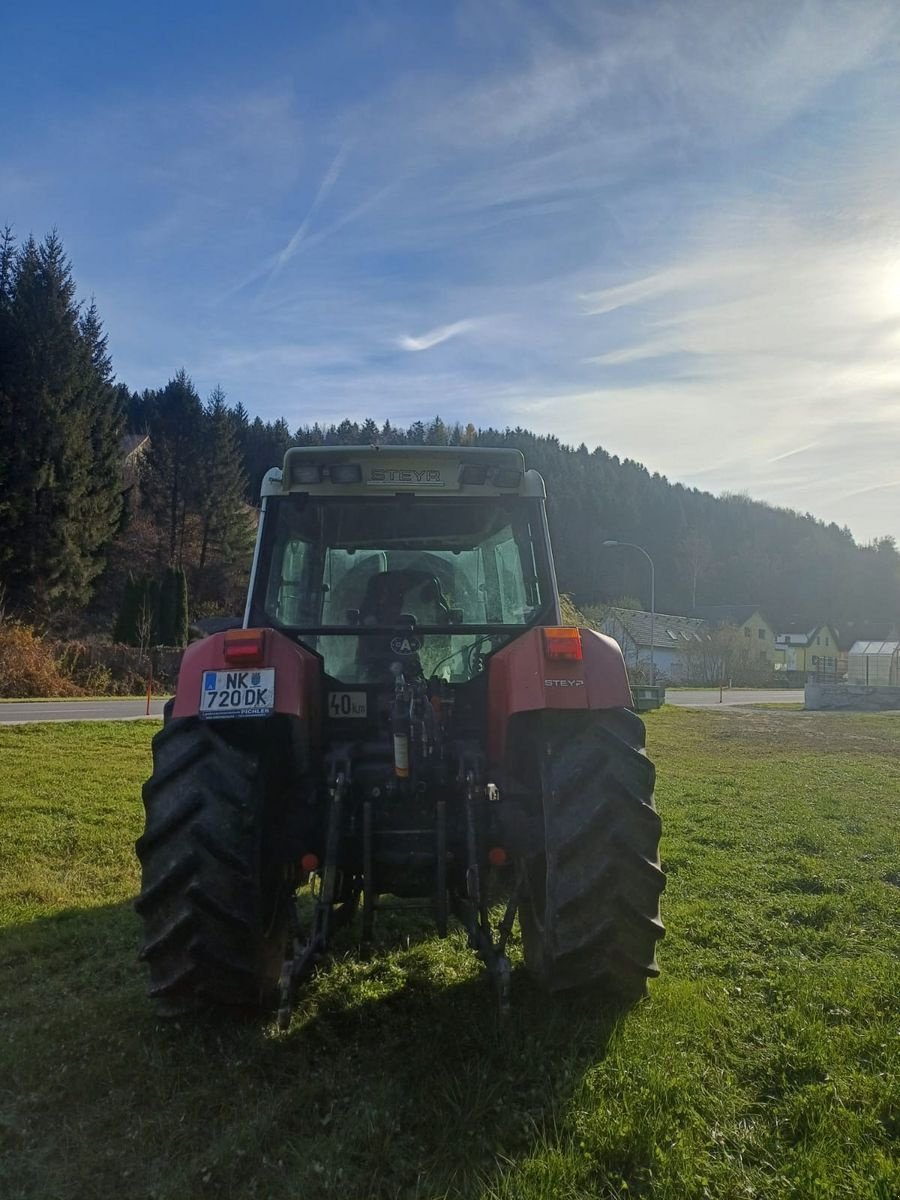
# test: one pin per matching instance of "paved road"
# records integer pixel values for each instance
(703, 698)
(18, 712)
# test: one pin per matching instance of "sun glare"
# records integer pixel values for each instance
(889, 289)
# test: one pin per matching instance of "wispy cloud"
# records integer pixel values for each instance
(435, 337)
(792, 453)
(329, 179)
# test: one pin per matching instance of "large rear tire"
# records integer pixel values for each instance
(215, 913)
(591, 917)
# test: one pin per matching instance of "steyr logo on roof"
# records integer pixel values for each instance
(384, 475)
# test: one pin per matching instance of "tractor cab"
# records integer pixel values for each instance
(429, 560)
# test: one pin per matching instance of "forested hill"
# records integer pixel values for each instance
(81, 515)
(706, 549)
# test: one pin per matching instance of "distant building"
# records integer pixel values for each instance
(811, 652)
(672, 637)
(860, 631)
(759, 634)
(874, 664)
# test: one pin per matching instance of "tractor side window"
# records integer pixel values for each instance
(513, 602)
(288, 589)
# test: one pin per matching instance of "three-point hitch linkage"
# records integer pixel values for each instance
(337, 899)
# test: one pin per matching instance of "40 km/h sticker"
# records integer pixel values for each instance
(347, 704)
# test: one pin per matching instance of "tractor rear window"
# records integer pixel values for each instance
(347, 562)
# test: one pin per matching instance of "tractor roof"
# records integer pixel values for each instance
(386, 470)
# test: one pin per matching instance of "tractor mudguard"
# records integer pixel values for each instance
(298, 674)
(523, 677)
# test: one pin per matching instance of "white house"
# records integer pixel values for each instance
(671, 637)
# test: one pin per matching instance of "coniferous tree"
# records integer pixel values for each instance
(164, 613)
(60, 424)
(180, 618)
(103, 499)
(239, 420)
(126, 626)
(263, 446)
(368, 434)
(171, 627)
(436, 434)
(172, 477)
(225, 530)
(7, 344)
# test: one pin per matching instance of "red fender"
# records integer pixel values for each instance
(521, 678)
(297, 674)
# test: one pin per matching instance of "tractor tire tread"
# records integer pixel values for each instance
(216, 908)
(215, 923)
(593, 917)
(174, 932)
(166, 883)
(167, 825)
(175, 766)
(214, 845)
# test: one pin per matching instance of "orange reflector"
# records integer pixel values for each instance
(310, 862)
(497, 856)
(563, 642)
(245, 647)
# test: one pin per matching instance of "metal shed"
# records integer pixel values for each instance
(874, 664)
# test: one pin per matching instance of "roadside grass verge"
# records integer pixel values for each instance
(780, 706)
(79, 699)
(766, 1063)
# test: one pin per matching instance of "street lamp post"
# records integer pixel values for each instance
(634, 546)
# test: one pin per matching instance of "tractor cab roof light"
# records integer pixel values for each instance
(471, 474)
(346, 473)
(504, 477)
(306, 473)
(563, 643)
(245, 647)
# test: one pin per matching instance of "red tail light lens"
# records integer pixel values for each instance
(563, 643)
(245, 647)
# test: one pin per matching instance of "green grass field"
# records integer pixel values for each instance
(766, 1063)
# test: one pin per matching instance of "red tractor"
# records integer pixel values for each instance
(401, 719)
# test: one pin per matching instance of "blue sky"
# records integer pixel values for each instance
(669, 229)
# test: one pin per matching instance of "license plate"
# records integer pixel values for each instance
(237, 693)
(347, 704)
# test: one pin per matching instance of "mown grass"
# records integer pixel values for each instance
(766, 1063)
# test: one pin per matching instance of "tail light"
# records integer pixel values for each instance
(245, 647)
(563, 643)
